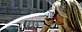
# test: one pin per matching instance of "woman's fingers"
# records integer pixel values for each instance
(46, 18)
(48, 21)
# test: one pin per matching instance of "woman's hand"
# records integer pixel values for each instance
(48, 21)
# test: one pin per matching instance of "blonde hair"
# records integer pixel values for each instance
(70, 12)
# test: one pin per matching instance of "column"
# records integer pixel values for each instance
(38, 4)
(8, 3)
(12, 3)
(32, 3)
(0, 3)
(44, 5)
(21, 4)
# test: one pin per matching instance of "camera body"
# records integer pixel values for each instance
(50, 14)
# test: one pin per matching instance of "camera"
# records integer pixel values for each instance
(50, 14)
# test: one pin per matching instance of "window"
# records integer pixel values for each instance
(35, 24)
(3, 4)
(40, 24)
(29, 24)
(41, 4)
(16, 3)
(35, 4)
(11, 28)
(24, 6)
(24, 3)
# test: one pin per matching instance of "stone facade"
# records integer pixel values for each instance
(9, 12)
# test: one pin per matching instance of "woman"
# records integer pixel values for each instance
(68, 15)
